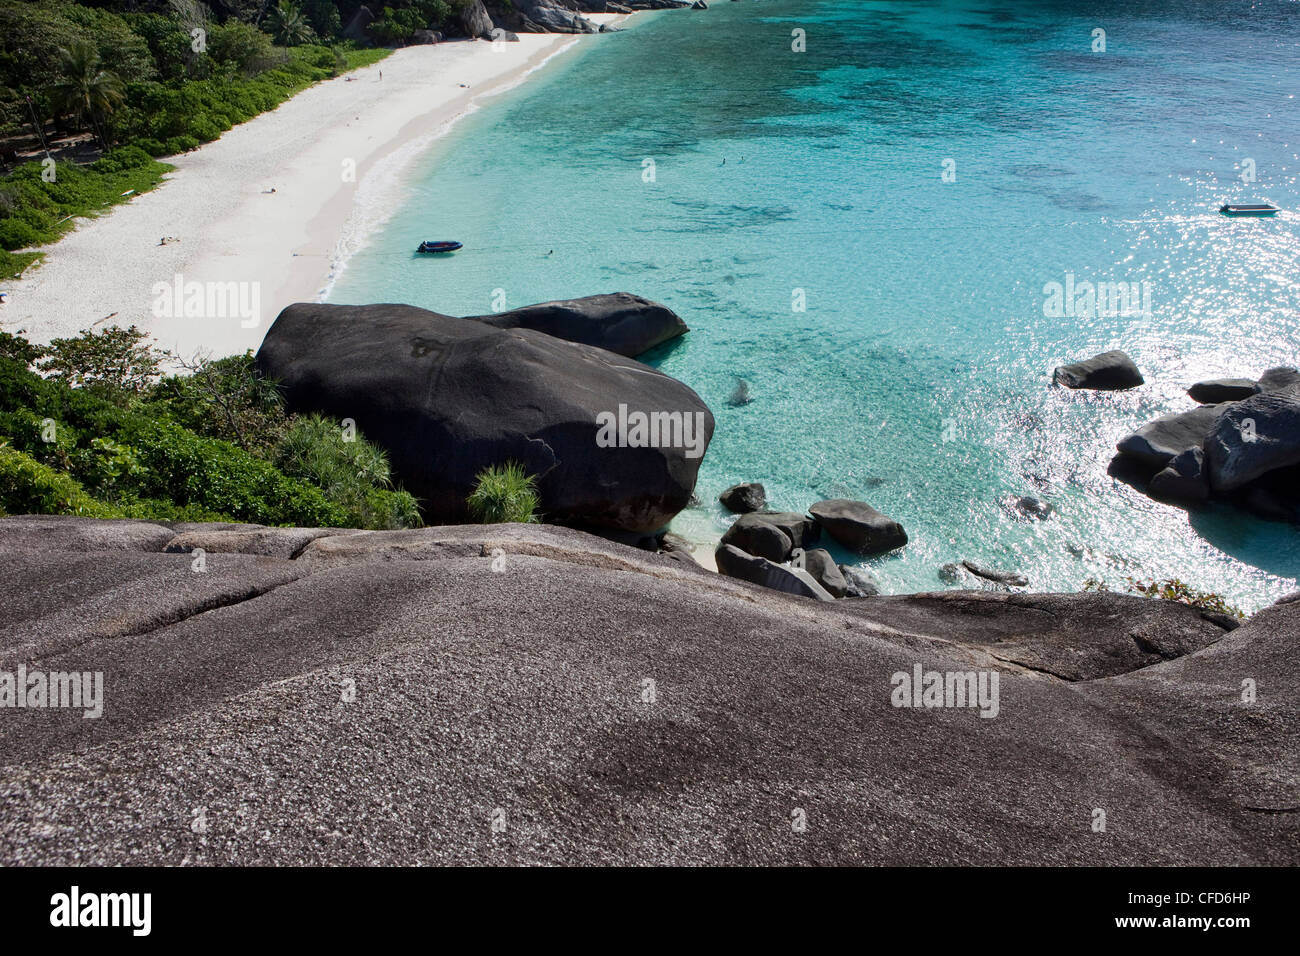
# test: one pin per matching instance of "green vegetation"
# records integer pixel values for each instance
(144, 78)
(101, 436)
(504, 493)
(353, 473)
(34, 211)
(1173, 589)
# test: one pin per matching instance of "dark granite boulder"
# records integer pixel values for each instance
(735, 563)
(550, 17)
(1183, 480)
(620, 322)
(1253, 437)
(1217, 390)
(1109, 371)
(858, 526)
(356, 28)
(744, 498)
(772, 534)
(475, 20)
(859, 582)
(1281, 379)
(448, 397)
(819, 563)
(754, 536)
(1157, 442)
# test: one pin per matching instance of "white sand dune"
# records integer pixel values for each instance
(284, 245)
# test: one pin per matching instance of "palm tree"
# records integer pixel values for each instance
(86, 90)
(288, 25)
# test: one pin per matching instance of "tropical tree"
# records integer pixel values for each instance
(287, 24)
(86, 90)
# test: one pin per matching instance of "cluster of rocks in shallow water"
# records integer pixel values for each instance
(775, 548)
(1242, 446)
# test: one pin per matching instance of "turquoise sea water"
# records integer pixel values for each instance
(917, 377)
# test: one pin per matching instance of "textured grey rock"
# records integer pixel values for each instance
(47, 533)
(550, 17)
(1075, 637)
(819, 563)
(858, 526)
(1156, 443)
(475, 20)
(356, 28)
(1183, 480)
(744, 498)
(1218, 390)
(522, 689)
(859, 582)
(771, 534)
(1284, 378)
(448, 397)
(1109, 371)
(1010, 578)
(735, 563)
(1253, 437)
(758, 537)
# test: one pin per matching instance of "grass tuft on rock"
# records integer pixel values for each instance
(504, 494)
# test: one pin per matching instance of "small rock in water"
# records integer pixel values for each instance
(744, 498)
(971, 576)
(1109, 371)
(1029, 507)
(859, 582)
(740, 394)
(1012, 578)
(858, 526)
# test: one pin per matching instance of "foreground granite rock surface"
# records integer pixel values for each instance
(374, 697)
(448, 397)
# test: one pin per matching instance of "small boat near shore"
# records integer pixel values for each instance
(431, 246)
(1249, 209)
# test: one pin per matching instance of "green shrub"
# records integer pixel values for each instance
(353, 473)
(504, 493)
(227, 399)
(152, 457)
(115, 364)
(29, 487)
(14, 264)
(1173, 589)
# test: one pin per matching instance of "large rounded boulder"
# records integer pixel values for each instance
(858, 526)
(1251, 438)
(612, 443)
(618, 321)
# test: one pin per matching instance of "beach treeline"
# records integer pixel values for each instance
(91, 94)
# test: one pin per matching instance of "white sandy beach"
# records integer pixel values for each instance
(231, 228)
